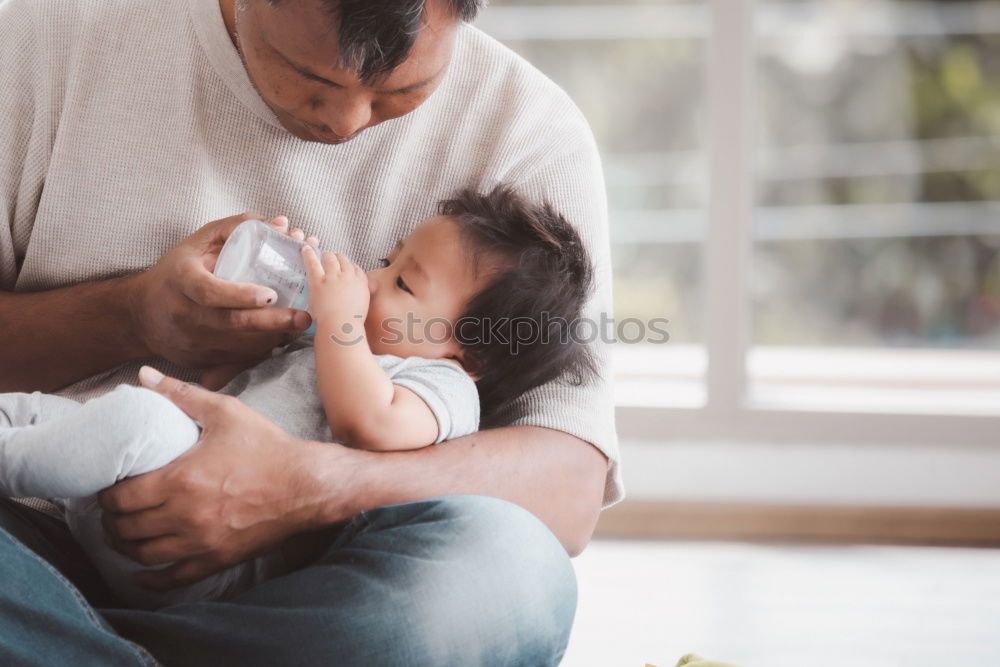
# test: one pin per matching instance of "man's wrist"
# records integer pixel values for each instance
(130, 292)
(335, 483)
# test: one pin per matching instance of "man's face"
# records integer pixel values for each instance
(291, 51)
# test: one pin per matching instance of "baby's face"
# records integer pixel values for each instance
(421, 290)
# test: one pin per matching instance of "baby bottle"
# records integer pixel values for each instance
(257, 253)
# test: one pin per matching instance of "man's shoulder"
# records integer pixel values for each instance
(489, 53)
(66, 19)
(504, 110)
(502, 79)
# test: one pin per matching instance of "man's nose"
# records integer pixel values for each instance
(349, 114)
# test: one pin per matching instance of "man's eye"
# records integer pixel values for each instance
(384, 262)
(402, 285)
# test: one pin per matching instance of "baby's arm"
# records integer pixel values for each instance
(363, 406)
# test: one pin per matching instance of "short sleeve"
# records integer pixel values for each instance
(447, 390)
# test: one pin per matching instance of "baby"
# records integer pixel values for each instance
(438, 340)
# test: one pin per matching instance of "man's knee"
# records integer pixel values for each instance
(489, 583)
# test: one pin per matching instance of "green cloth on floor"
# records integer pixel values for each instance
(695, 660)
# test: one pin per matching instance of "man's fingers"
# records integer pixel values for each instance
(197, 403)
(151, 553)
(179, 574)
(280, 223)
(217, 231)
(131, 495)
(258, 320)
(143, 525)
(206, 290)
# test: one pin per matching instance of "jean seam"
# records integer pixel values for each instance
(141, 653)
(357, 526)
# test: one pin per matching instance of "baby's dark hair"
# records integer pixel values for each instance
(541, 278)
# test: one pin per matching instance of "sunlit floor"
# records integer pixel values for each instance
(775, 605)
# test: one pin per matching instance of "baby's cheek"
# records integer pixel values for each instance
(381, 333)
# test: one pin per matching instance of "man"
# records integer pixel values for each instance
(126, 124)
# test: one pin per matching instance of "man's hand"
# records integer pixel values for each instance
(217, 377)
(238, 493)
(188, 316)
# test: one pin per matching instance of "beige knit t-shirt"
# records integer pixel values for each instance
(127, 124)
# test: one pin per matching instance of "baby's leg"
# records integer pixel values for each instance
(84, 518)
(55, 447)
(58, 447)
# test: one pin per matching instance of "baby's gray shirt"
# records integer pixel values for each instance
(284, 389)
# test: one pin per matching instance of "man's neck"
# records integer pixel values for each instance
(228, 8)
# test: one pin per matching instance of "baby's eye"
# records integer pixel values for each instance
(384, 262)
(401, 284)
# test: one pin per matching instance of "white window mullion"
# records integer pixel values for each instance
(731, 110)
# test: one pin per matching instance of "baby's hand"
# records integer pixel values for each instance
(338, 289)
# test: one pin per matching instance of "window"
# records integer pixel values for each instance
(876, 254)
(809, 192)
(637, 72)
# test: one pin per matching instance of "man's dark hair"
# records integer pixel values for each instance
(541, 278)
(377, 35)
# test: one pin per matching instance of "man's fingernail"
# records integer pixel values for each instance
(302, 320)
(266, 297)
(150, 376)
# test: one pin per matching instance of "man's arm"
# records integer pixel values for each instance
(53, 338)
(556, 476)
(247, 486)
(176, 309)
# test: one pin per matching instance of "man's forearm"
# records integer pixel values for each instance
(53, 338)
(556, 476)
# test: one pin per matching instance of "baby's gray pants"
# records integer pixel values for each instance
(54, 447)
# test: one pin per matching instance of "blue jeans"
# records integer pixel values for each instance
(456, 580)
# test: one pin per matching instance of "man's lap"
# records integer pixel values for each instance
(44, 619)
(50, 538)
(461, 579)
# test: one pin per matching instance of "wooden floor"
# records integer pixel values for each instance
(777, 605)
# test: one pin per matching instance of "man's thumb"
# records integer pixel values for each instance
(150, 377)
(194, 401)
